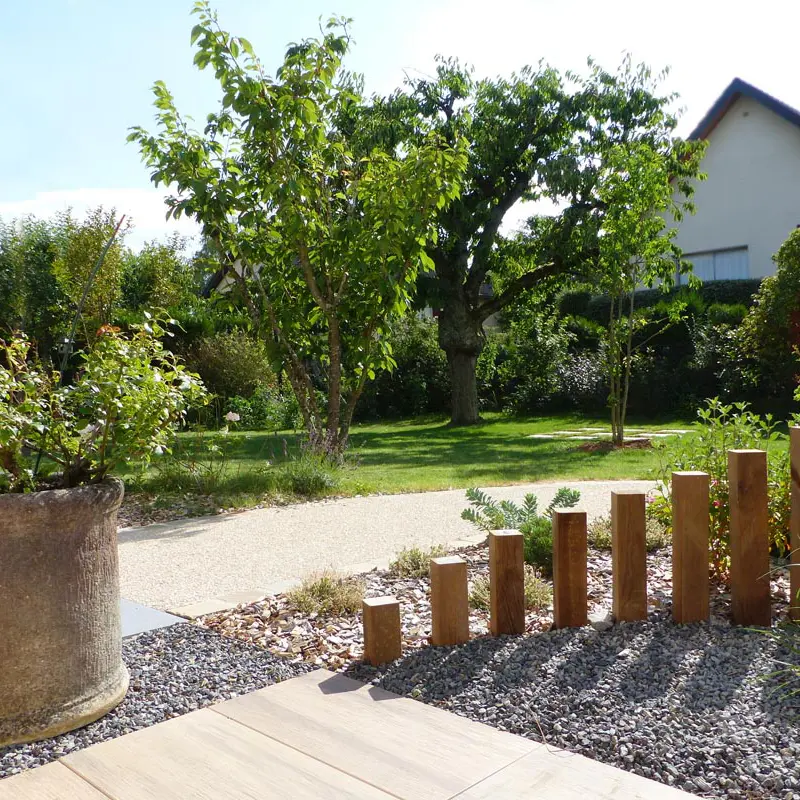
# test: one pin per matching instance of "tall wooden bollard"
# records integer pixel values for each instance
(750, 588)
(506, 583)
(794, 544)
(449, 601)
(690, 588)
(570, 606)
(383, 640)
(628, 556)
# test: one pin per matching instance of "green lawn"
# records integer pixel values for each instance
(424, 455)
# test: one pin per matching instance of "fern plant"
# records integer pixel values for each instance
(536, 529)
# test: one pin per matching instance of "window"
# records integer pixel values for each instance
(719, 265)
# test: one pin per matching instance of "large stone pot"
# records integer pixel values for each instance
(60, 640)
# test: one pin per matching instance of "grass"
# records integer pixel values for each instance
(537, 591)
(412, 456)
(328, 594)
(414, 562)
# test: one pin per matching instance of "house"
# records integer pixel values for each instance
(750, 201)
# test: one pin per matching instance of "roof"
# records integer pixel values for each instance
(739, 88)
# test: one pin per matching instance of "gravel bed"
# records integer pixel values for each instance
(690, 706)
(173, 671)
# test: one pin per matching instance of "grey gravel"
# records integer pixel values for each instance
(691, 706)
(173, 671)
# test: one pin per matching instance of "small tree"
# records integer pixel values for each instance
(644, 181)
(80, 246)
(323, 246)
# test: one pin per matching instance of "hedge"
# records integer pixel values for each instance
(598, 307)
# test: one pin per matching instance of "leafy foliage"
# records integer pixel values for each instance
(536, 530)
(324, 244)
(768, 340)
(123, 406)
(723, 428)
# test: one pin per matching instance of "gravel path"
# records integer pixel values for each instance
(173, 671)
(689, 706)
(254, 553)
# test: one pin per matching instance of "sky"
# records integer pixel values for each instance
(77, 74)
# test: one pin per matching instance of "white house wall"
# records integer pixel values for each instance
(752, 194)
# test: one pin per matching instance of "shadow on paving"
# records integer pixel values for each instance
(180, 529)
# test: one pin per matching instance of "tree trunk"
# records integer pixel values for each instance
(464, 387)
(461, 337)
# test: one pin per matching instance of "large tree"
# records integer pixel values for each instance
(323, 243)
(535, 135)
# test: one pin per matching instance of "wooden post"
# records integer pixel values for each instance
(569, 569)
(750, 587)
(628, 556)
(382, 638)
(794, 544)
(449, 601)
(689, 546)
(506, 583)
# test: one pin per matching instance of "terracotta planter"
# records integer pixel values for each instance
(60, 640)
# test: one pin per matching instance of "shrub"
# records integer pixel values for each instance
(582, 382)
(231, 364)
(308, 475)
(414, 562)
(266, 410)
(725, 427)
(537, 531)
(769, 337)
(328, 594)
(538, 593)
(123, 407)
(538, 347)
(420, 381)
(657, 534)
(573, 303)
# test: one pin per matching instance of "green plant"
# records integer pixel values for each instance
(308, 475)
(657, 534)
(723, 428)
(536, 530)
(415, 562)
(123, 407)
(538, 593)
(328, 594)
(231, 364)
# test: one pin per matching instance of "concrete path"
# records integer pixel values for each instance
(199, 565)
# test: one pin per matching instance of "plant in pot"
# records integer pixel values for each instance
(60, 641)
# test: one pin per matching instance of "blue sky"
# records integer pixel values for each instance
(77, 73)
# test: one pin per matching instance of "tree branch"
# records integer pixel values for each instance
(518, 285)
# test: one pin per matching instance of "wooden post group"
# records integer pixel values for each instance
(449, 601)
(570, 607)
(690, 546)
(628, 556)
(506, 583)
(750, 586)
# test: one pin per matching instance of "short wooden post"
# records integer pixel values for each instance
(750, 585)
(570, 608)
(794, 544)
(689, 546)
(628, 556)
(449, 601)
(506, 583)
(382, 638)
